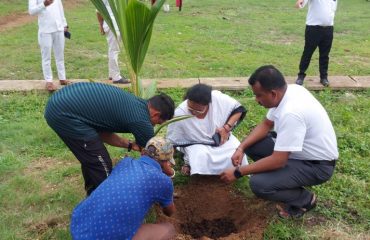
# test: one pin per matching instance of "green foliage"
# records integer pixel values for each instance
(135, 22)
(282, 229)
(175, 119)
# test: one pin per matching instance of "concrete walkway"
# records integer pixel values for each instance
(224, 83)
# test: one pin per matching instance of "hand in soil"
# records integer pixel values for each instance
(228, 175)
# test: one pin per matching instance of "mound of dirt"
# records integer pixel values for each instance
(210, 209)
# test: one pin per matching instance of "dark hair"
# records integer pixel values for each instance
(269, 77)
(164, 104)
(199, 93)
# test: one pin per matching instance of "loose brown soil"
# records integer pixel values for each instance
(210, 209)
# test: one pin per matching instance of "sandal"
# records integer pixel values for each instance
(185, 169)
(50, 87)
(65, 82)
(295, 212)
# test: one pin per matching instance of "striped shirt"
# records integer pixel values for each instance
(82, 110)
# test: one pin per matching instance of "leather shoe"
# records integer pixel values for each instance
(121, 81)
(299, 81)
(324, 82)
(65, 82)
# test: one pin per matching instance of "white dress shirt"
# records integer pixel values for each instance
(303, 126)
(50, 18)
(320, 12)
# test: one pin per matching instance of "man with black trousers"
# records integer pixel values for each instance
(319, 33)
(87, 115)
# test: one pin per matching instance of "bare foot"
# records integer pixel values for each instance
(50, 87)
(185, 170)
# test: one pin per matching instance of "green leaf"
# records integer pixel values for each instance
(175, 119)
(135, 21)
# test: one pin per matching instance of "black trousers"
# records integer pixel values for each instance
(96, 164)
(317, 36)
(287, 184)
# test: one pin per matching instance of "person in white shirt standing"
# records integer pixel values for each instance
(52, 25)
(113, 46)
(302, 151)
(319, 33)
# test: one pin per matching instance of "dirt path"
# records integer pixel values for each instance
(210, 209)
(21, 18)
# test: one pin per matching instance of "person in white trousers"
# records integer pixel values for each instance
(52, 25)
(113, 46)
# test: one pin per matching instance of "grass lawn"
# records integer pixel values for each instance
(41, 181)
(206, 39)
(9, 7)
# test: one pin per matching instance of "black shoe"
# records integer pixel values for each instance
(123, 80)
(325, 82)
(299, 81)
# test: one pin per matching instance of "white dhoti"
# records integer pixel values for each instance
(208, 160)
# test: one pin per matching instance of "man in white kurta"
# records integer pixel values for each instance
(194, 135)
(52, 25)
(113, 45)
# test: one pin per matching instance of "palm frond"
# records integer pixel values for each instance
(135, 21)
(175, 119)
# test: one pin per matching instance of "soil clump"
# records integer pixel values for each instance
(210, 209)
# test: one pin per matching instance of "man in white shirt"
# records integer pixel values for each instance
(52, 25)
(113, 46)
(302, 152)
(319, 33)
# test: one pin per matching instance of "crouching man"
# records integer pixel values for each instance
(117, 208)
(303, 153)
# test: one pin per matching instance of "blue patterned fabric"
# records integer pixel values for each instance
(116, 209)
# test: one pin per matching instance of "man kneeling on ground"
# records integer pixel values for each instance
(303, 153)
(117, 208)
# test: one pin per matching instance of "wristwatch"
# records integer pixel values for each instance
(237, 172)
(129, 147)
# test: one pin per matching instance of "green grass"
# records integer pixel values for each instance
(206, 39)
(9, 7)
(41, 180)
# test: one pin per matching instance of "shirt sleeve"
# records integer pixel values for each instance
(291, 131)
(34, 8)
(63, 16)
(142, 131)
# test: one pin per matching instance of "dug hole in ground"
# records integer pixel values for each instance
(210, 209)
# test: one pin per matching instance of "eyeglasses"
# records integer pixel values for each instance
(197, 112)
